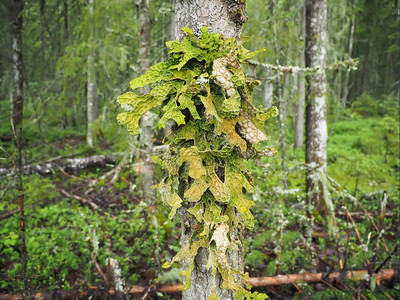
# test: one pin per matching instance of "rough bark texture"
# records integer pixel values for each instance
(227, 18)
(15, 9)
(299, 125)
(146, 122)
(92, 104)
(222, 16)
(316, 128)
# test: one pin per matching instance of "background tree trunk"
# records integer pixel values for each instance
(299, 125)
(17, 81)
(226, 18)
(146, 127)
(66, 20)
(15, 10)
(43, 36)
(346, 86)
(92, 103)
(316, 128)
(268, 89)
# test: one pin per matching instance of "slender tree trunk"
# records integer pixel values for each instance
(282, 95)
(226, 18)
(346, 87)
(365, 69)
(92, 104)
(268, 89)
(146, 122)
(66, 20)
(316, 127)
(43, 36)
(16, 90)
(299, 125)
(14, 15)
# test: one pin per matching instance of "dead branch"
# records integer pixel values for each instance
(98, 268)
(82, 200)
(359, 214)
(119, 283)
(49, 166)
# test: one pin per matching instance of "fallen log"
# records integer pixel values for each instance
(360, 214)
(49, 166)
(382, 275)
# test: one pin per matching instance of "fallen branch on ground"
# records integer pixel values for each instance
(82, 200)
(382, 275)
(49, 166)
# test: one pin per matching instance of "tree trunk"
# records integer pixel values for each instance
(346, 87)
(15, 10)
(316, 128)
(146, 123)
(282, 96)
(66, 26)
(43, 36)
(92, 104)
(299, 125)
(17, 82)
(268, 89)
(226, 18)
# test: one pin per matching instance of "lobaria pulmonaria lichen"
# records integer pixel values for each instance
(204, 90)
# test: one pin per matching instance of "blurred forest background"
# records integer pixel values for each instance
(82, 178)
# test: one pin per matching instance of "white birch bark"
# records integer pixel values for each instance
(316, 115)
(299, 123)
(146, 122)
(92, 103)
(226, 18)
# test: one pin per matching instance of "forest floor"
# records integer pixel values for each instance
(79, 218)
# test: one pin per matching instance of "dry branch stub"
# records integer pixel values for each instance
(205, 91)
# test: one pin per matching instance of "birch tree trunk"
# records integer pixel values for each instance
(299, 125)
(146, 125)
(92, 104)
(316, 127)
(226, 18)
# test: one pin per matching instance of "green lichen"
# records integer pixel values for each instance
(205, 162)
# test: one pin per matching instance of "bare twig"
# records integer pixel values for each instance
(82, 200)
(104, 275)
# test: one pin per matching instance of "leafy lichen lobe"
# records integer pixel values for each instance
(205, 91)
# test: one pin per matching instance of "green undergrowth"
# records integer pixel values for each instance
(63, 237)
